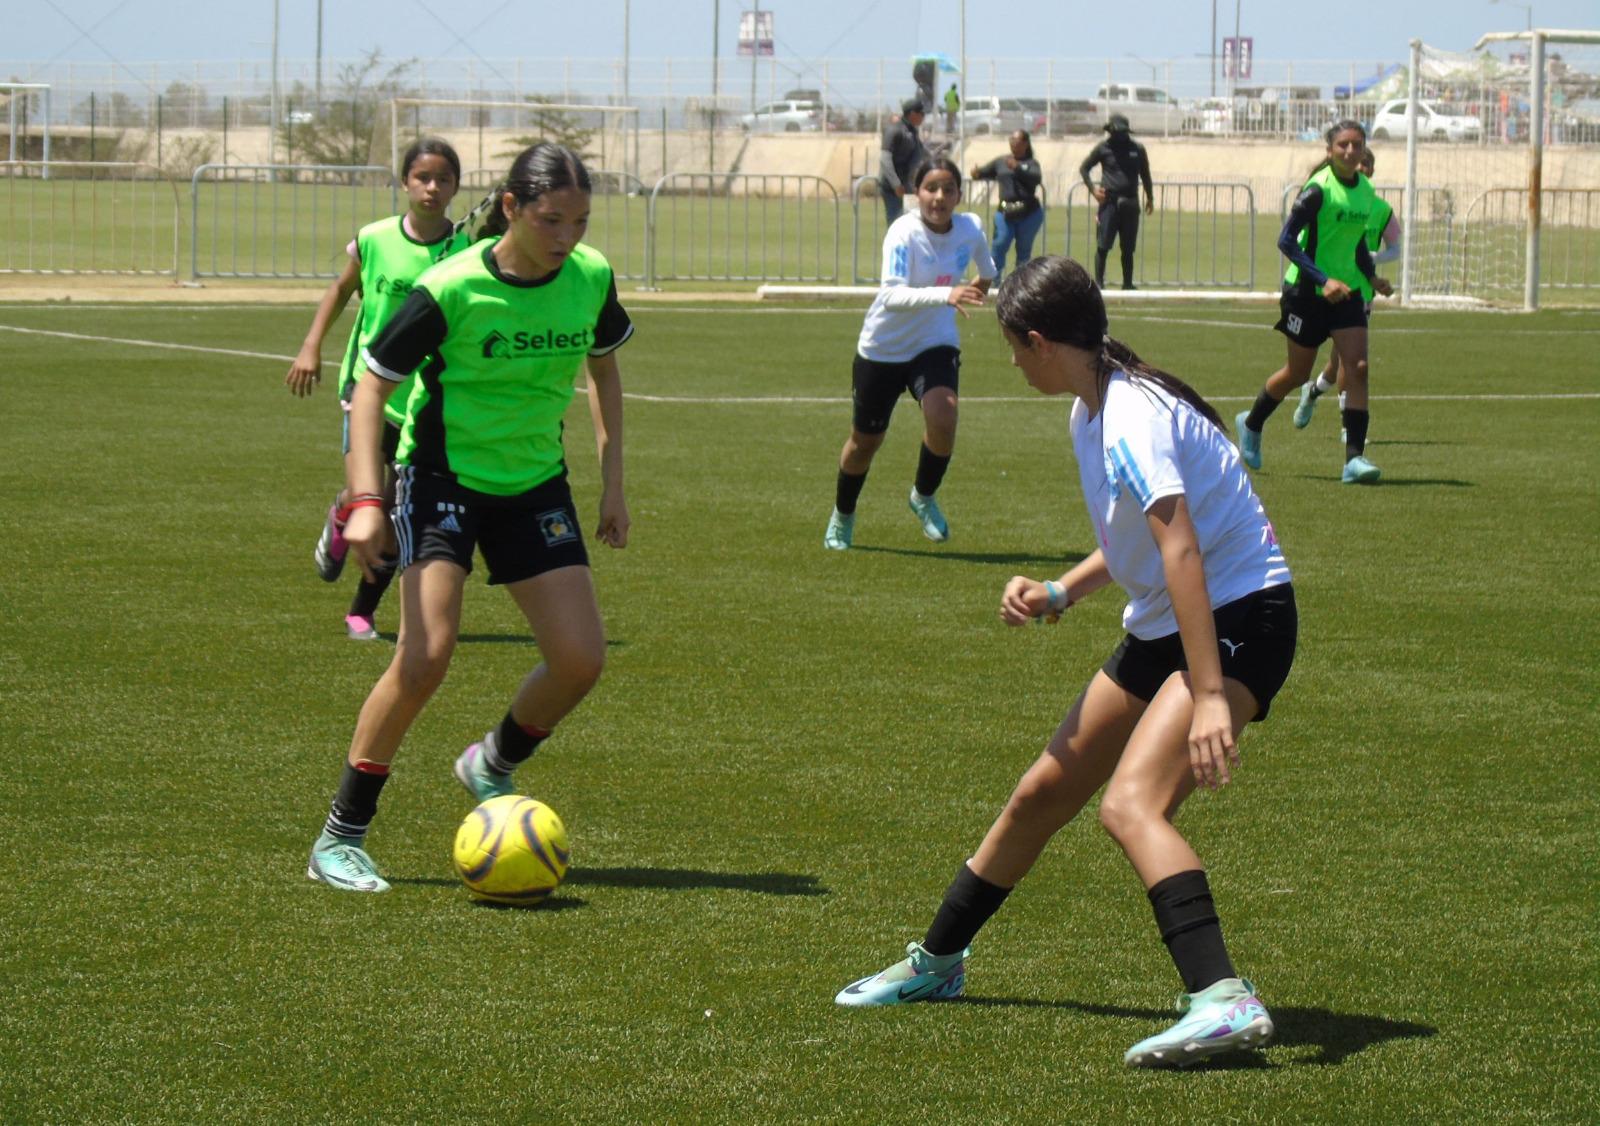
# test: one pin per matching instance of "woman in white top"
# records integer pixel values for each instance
(1211, 635)
(909, 342)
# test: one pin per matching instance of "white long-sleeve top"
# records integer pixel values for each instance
(911, 312)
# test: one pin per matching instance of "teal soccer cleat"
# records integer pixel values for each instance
(1308, 404)
(343, 864)
(841, 531)
(1249, 441)
(927, 512)
(920, 976)
(1220, 1018)
(1359, 471)
(481, 782)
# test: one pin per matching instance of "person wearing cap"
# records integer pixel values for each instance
(901, 153)
(1123, 167)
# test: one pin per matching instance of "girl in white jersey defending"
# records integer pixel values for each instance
(909, 342)
(1210, 626)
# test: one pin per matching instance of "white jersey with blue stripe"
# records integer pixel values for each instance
(912, 312)
(1145, 444)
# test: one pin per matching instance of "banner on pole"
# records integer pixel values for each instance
(755, 33)
(1237, 55)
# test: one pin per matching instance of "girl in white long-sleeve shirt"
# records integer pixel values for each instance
(909, 342)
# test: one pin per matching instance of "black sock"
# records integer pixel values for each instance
(514, 743)
(847, 492)
(369, 594)
(1127, 269)
(968, 902)
(357, 800)
(1189, 926)
(930, 471)
(1355, 431)
(1265, 404)
(1100, 268)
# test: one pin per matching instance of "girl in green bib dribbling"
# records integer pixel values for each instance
(496, 335)
(1329, 268)
(385, 259)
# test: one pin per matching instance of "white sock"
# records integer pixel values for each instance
(1324, 385)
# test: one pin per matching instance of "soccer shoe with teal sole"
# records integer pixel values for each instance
(919, 976)
(344, 865)
(1220, 1018)
(481, 782)
(1249, 441)
(331, 548)
(1359, 471)
(841, 531)
(1303, 411)
(927, 513)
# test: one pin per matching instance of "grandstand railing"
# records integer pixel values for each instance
(704, 226)
(1202, 234)
(80, 217)
(616, 214)
(866, 235)
(282, 220)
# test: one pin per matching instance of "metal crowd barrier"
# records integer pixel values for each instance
(742, 227)
(282, 220)
(79, 217)
(1200, 234)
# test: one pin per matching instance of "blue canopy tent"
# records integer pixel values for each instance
(1342, 93)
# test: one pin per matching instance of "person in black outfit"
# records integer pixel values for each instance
(1123, 166)
(1018, 216)
(901, 154)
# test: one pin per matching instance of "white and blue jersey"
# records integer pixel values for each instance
(911, 312)
(1146, 444)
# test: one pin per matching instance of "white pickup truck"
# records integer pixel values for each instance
(1147, 108)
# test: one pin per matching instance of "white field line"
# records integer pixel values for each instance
(765, 400)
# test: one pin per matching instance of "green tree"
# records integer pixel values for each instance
(351, 125)
(563, 127)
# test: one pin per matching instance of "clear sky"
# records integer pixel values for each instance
(1367, 31)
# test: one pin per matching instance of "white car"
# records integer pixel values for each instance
(788, 116)
(1434, 122)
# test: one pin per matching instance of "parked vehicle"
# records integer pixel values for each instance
(1147, 108)
(986, 113)
(789, 115)
(1434, 122)
(1211, 116)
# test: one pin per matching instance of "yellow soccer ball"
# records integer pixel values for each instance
(511, 849)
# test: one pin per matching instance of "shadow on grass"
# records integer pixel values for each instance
(1391, 482)
(506, 639)
(1336, 1036)
(681, 879)
(1016, 558)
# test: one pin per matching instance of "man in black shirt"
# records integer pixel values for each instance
(1123, 166)
(902, 151)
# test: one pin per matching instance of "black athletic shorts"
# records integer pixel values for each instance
(1309, 319)
(1255, 638)
(520, 536)
(877, 386)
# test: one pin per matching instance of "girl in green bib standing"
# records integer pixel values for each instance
(496, 334)
(1330, 266)
(385, 259)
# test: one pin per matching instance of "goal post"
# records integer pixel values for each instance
(614, 127)
(1500, 162)
(16, 95)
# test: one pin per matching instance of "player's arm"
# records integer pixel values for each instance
(1391, 241)
(413, 334)
(887, 176)
(605, 409)
(1025, 600)
(306, 371)
(1144, 178)
(1301, 215)
(1212, 751)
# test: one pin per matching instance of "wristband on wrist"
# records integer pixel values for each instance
(364, 500)
(1058, 604)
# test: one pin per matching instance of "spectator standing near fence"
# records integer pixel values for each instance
(901, 155)
(1018, 216)
(1124, 165)
(952, 106)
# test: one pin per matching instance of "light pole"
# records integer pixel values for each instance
(272, 126)
(1213, 48)
(1525, 7)
(1145, 62)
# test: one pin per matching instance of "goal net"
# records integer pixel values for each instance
(1486, 129)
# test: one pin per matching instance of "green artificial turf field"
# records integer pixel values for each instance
(789, 754)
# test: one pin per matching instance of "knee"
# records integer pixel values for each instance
(1356, 371)
(1037, 795)
(1121, 814)
(577, 667)
(420, 671)
(940, 411)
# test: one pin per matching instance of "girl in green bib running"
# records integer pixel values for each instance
(385, 259)
(496, 334)
(1329, 268)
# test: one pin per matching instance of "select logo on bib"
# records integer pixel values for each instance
(557, 527)
(544, 342)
